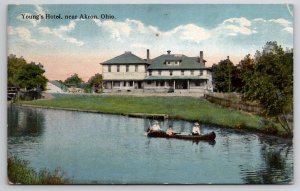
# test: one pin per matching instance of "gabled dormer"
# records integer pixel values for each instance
(172, 62)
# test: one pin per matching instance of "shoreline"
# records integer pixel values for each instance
(161, 117)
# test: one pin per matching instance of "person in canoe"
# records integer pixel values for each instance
(196, 129)
(155, 126)
(170, 131)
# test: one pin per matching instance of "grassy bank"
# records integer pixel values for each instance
(187, 108)
(19, 172)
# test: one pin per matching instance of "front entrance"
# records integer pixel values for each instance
(139, 85)
(181, 84)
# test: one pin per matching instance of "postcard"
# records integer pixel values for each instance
(149, 94)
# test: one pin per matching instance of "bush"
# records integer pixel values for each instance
(19, 172)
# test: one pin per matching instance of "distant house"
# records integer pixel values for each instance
(165, 73)
(55, 87)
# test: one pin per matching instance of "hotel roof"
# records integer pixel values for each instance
(126, 58)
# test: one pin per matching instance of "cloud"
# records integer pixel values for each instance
(39, 10)
(189, 32)
(117, 30)
(35, 18)
(288, 29)
(281, 21)
(235, 26)
(242, 21)
(10, 30)
(121, 30)
(24, 34)
(61, 31)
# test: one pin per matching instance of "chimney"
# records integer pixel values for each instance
(148, 55)
(201, 57)
(169, 51)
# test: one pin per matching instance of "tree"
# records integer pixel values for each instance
(223, 75)
(31, 76)
(14, 66)
(243, 70)
(95, 81)
(74, 79)
(271, 83)
(24, 75)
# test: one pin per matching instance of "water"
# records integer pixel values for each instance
(109, 149)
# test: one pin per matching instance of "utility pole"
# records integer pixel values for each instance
(229, 75)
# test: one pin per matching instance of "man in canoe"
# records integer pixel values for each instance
(170, 131)
(196, 129)
(155, 126)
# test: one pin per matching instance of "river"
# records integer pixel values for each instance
(110, 149)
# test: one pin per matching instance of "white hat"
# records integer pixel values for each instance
(197, 124)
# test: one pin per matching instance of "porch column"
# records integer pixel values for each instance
(188, 84)
(174, 85)
(133, 84)
(112, 84)
(165, 83)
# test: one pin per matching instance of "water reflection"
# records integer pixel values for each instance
(25, 121)
(276, 166)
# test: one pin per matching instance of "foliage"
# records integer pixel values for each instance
(20, 173)
(95, 82)
(25, 75)
(271, 83)
(223, 76)
(243, 71)
(73, 80)
(31, 76)
(14, 66)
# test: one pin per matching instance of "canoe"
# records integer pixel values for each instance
(161, 134)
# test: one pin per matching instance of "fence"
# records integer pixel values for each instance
(252, 108)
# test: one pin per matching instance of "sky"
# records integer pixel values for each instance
(77, 45)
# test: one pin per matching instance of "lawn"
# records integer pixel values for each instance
(187, 108)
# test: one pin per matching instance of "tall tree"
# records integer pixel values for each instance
(242, 72)
(14, 67)
(31, 76)
(24, 75)
(95, 83)
(74, 79)
(271, 83)
(95, 80)
(223, 75)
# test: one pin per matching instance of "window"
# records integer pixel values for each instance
(149, 82)
(118, 68)
(127, 68)
(192, 72)
(171, 73)
(197, 83)
(182, 72)
(136, 68)
(109, 68)
(162, 83)
(201, 72)
(131, 83)
(157, 83)
(150, 73)
(159, 73)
